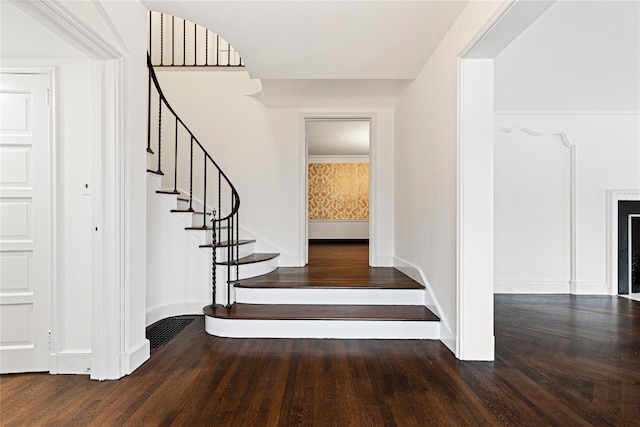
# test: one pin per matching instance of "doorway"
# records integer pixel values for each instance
(338, 181)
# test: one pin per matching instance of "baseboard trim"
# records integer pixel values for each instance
(137, 357)
(447, 336)
(581, 287)
(532, 287)
(589, 288)
(288, 260)
(176, 309)
(73, 362)
(383, 261)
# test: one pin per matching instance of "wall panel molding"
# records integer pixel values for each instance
(562, 136)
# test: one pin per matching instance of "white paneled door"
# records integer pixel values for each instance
(25, 222)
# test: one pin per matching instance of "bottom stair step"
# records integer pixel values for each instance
(322, 321)
(322, 312)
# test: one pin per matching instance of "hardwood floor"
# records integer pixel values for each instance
(560, 360)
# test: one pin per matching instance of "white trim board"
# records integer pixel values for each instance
(338, 159)
(372, 118)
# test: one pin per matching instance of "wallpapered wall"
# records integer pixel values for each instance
(338, 191)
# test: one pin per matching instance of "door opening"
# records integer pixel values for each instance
(338, 180)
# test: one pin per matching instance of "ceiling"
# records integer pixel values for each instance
(338, 138)
(325, 39)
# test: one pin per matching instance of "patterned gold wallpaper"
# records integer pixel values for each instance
(338, 191)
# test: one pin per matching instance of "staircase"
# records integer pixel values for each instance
(195, 203)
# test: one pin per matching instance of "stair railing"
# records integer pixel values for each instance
(176, 42)
(225, 210)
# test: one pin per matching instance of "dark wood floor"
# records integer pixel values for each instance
(561, 361)
(335, 265)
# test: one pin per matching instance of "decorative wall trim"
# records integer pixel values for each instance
(573, 180)
(613, 197)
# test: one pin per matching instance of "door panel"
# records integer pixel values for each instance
(25, 222)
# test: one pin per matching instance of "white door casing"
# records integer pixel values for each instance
(25, 221)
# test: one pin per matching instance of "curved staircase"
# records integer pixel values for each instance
(194, 211)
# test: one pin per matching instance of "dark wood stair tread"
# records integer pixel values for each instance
(250, 259)
(328, 284)
(188, 211)
(177, 193)
(335, 274)
(155, 172)
(208, 227)
(226, 244)
(322, 312)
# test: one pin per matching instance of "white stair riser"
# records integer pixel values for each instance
(254, 269)
(205, 236)
(183, 204)
(170, 199)
(330, 296)
(245, 250)
(341, 329)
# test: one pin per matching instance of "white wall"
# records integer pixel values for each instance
(21, 47)
(263, 150)
(426, 167)
(607, 157)
(578, 56)
(575, 70)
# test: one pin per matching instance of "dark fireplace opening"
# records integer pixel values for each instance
(634, 248)
(628, 247)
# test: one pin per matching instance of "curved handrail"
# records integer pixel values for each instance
(231, 219)
(236, 196)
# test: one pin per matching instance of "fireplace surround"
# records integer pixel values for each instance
(624, 242)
